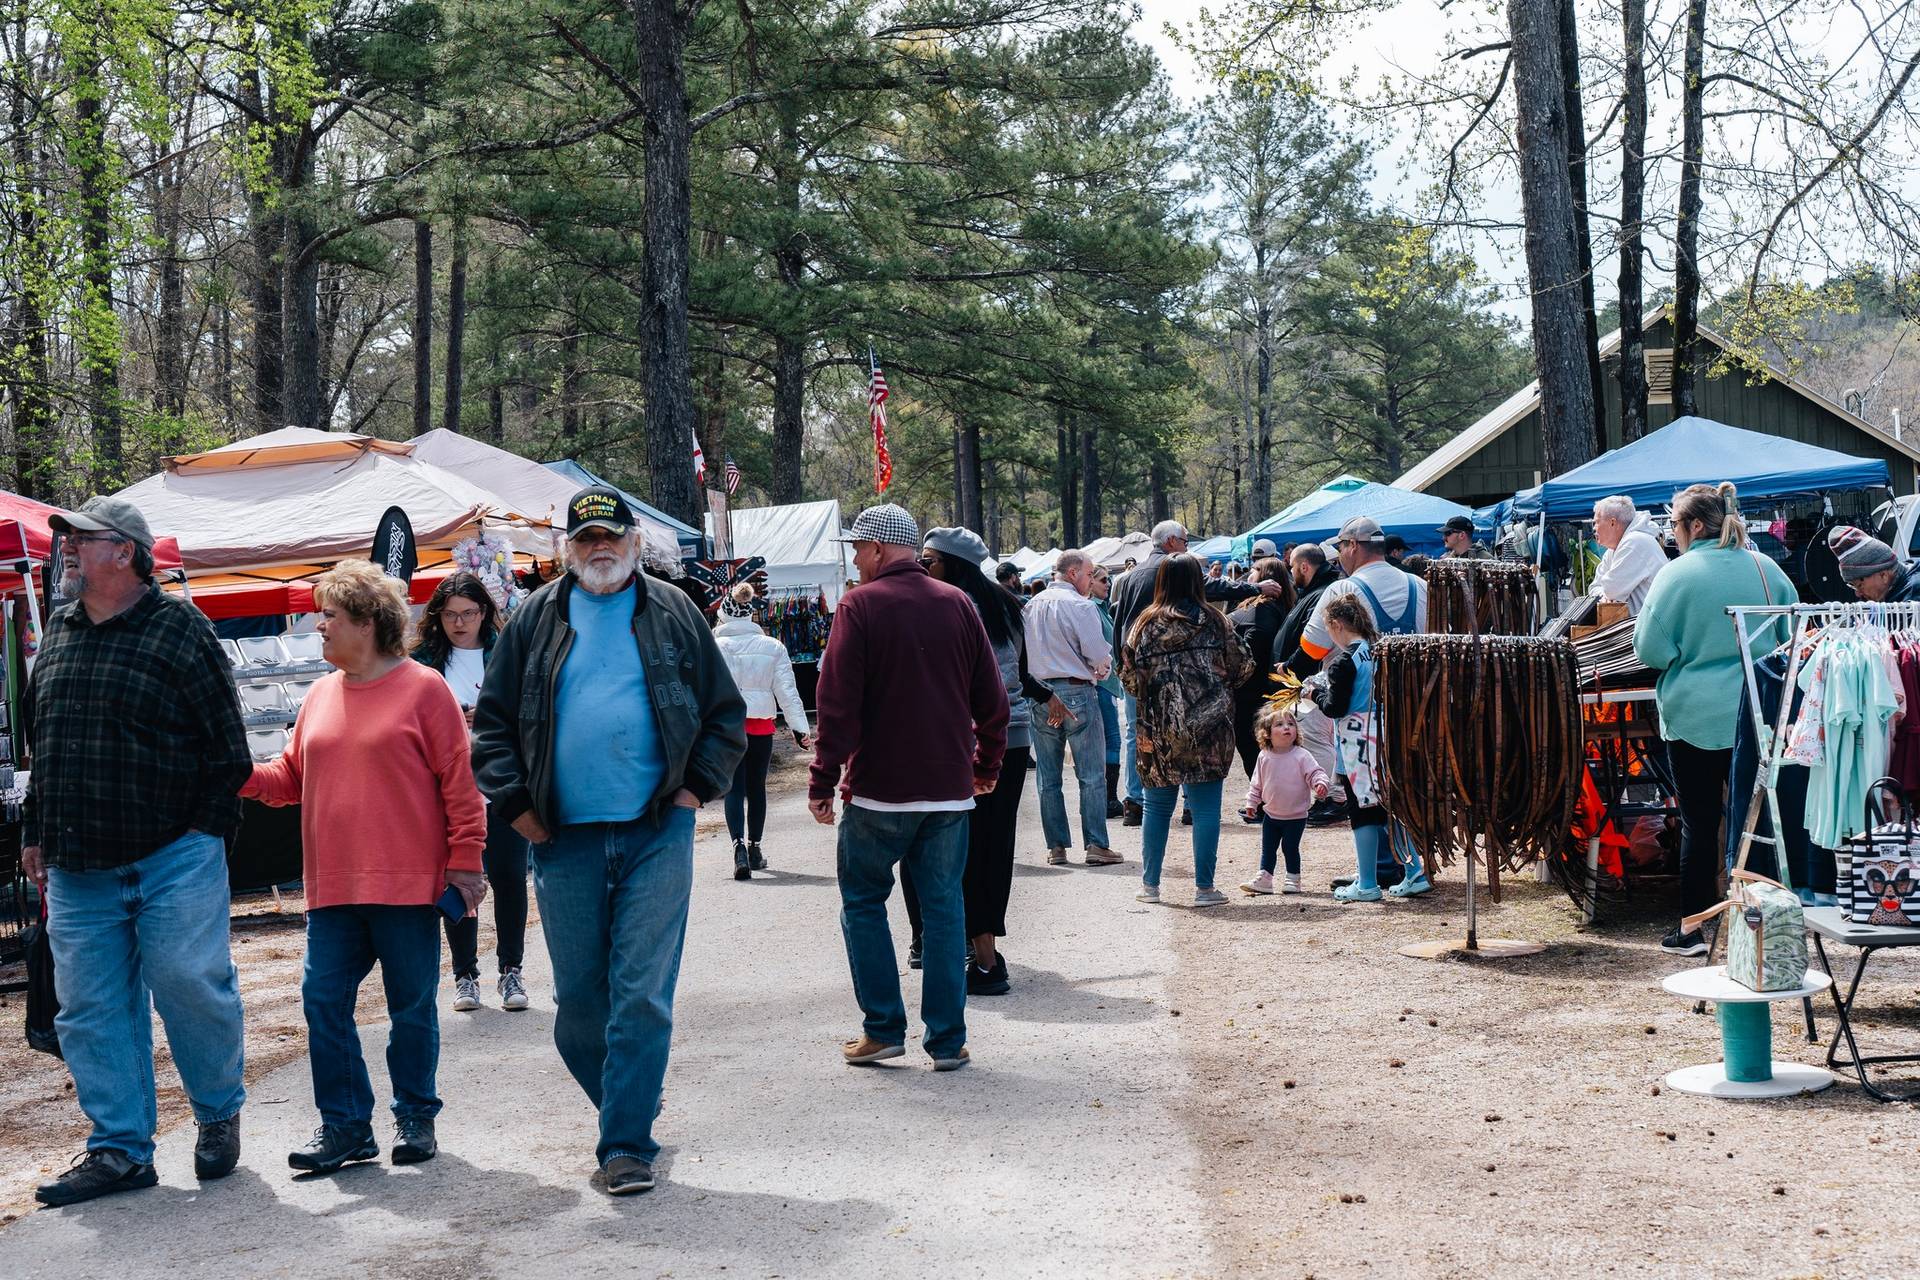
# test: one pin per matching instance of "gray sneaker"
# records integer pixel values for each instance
(626, 1176)
(513, 991)
(1148, 893)
(1209, 898)
(466, 995)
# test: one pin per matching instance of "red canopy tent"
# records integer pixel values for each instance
(26, 536)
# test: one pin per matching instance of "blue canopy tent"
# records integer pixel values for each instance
(1700, 451)
(1416, 517)
(693, 544)
(1220, 548)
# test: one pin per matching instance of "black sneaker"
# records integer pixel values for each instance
(914, 953)
(1186, 817)
(217, 1150)
(742, 867)
(94, 1174)
(1325, 813)
(416, 1141)
(756, 859)
(626, 1176)
(988, 982)
(333, 1146)
(1684, 943)
(1131, 814)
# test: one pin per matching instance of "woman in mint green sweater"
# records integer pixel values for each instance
(1683, 632)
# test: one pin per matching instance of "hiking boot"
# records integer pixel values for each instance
(916, 953)
(1098, 855)
(217, 1150)
(513, 989)
(1326, 813)
(756, 859)
(94, 1174)
(334, 1145)
(988, 982)
(954, 1063)
(415, 1142)
(627, 1176)
(1262, 883)
(1131, 813)
(1209, 898)
(466, 993)
(742, 862)
(1684, 942)
(1056, 857)
(866, 1050)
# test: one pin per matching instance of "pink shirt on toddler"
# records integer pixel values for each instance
(1283, 782)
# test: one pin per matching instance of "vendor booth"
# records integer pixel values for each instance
(807, 570)
(1415, 517)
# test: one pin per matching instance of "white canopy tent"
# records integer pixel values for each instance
(301, 496)
(799, 543)
(1113, 553)
(528, 487)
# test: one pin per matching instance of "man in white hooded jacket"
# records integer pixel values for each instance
(1634, 554)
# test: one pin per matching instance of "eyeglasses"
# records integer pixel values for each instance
(81, 539)
(460, 617)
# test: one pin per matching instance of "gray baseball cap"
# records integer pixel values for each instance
(105, 515)
(1361, 529)
(1264, 547)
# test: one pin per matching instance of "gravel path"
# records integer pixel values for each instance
(1129, 1112)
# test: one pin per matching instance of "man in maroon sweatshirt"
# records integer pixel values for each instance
(913, 710)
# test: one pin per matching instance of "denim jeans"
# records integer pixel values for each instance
(342, 945)
(130, 940)
(1110, 724)
(1083, 731)
(1130, 754)
(1204, 799)
(505, 862)
(934, 845)
(613, 903)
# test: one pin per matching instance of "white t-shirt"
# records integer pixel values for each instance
(466, 668)
(1389, 584)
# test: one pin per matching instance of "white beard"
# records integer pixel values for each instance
(604, 580)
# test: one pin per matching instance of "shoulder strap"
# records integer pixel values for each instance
(1403, 625)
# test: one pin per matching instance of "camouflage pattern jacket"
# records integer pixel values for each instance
(1182, 670)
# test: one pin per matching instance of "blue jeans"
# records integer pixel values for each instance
(1130, 755)
(130, 940)
(1110, 724)
(1083, 730)
(342, 945)
(1204, 799)
(934, 847)
(613, 904)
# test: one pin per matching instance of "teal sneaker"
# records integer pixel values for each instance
(1411, 888)
(1354, 893)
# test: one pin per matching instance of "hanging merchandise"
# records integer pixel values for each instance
(1483, 745)
(800, 620)
(1480, 597)
(490, 559)
(1880, 868)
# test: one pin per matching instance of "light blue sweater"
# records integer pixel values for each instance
(1683, 632)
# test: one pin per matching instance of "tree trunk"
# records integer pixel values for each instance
(422, 327)
(1582, 235)
(24, 366)
(972, 514)
(1239, 502)
(100, 327)
(1066, 471)
(1089, 482)
(301, 314)
(1686, 230)
(456, 327)
(1633, 178)
(660, 34)
(1157, 508)
(570, 391)
(496, 403)
(266, 237)
(223, 363)
(713, 408)
(169, 337)
(527, 399)
(1263, 387)
(1553, 258)
(789, 399)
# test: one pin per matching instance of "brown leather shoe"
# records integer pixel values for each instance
(1101, 856)
(866, 1051)
(1056, 857)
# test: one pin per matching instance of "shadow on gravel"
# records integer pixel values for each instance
(1043, 996)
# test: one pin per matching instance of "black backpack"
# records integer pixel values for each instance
(42, 1003)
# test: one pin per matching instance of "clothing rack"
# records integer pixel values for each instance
(1771, 739)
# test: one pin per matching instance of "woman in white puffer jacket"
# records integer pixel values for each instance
(761, 668)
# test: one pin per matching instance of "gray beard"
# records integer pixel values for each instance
(604, 582)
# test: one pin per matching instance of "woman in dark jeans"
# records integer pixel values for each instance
(953, 556)
(455, 637)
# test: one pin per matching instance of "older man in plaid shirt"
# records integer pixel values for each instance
(138, 756)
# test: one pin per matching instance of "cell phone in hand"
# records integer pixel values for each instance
(453, 905)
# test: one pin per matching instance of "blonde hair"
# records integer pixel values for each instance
(1269, 719)
(359, 590)
(1717, 509)
(742, 593)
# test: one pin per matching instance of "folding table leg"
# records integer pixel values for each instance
(1855, 1062)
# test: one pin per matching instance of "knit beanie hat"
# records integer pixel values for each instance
(1860, 555)
(739, 602)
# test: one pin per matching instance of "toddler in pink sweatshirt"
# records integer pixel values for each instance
(1286, 782)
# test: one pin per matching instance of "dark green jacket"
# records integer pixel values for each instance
(700, 714)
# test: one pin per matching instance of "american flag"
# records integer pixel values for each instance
(877, 411)
(733, 477)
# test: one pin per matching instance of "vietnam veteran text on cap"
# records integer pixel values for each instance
(598, 507)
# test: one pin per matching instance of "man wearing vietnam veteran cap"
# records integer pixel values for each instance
(138, 759)
(912, 725)
(632, 723)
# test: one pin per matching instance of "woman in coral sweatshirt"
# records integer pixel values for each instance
(390, 820)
